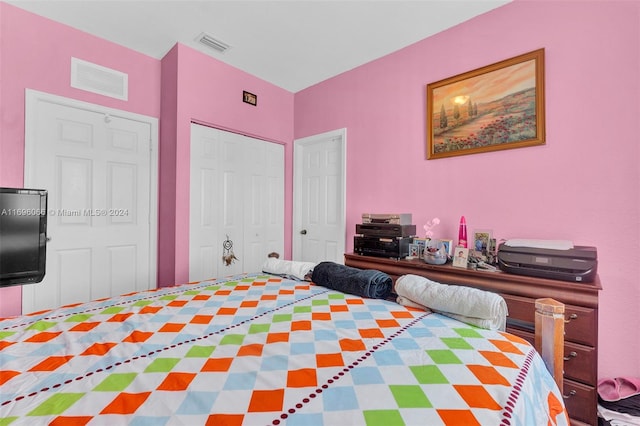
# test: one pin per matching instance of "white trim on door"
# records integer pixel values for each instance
(298, 157)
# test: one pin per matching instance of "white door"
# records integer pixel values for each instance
(319, 194)
(237, 197)
(204, 215)
(229, 199)
(97, 166)
(263, 203)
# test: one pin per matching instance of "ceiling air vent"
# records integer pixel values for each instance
(212, 43)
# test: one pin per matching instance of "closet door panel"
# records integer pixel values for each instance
(205, 250)
(231, 201)
(273, 209)
(237, 192)
(264, 203)
(254, 198)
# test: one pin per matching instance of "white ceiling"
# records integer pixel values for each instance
(292, 44)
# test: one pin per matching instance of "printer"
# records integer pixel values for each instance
(549, 259)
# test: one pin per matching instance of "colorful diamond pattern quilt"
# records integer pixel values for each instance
(262, 350)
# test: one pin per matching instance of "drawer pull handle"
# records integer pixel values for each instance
(572, 354)
(571, 317)
(573, 392)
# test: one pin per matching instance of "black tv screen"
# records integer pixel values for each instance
(23, 235)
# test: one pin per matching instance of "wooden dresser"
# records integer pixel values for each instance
(520, 293)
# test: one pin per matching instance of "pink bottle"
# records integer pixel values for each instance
(462, 233)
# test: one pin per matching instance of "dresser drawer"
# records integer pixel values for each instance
(529, 336)
(580, 398)
(521, 309)
(580, 363)
(580, 326)
(581, 402)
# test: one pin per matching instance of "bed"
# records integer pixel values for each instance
(258, 349)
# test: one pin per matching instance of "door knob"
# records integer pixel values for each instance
(303, 232)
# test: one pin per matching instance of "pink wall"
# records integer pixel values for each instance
(210, 92)
(36, 54)
(582, 185)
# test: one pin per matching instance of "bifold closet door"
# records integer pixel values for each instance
(237, 202)
(263, 203)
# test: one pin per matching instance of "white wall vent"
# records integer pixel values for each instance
(98, 79)
(212, 42)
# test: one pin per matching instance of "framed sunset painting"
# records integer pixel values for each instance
(499, 106)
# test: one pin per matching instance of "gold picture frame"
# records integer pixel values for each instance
(249, 98)
(499, 106)
(481, 239)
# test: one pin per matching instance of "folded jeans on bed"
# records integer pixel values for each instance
(361, 282)
(457, 300)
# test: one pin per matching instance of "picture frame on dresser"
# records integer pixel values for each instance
(421, 243)
(481, 239)
(448, 244)
(461, 257)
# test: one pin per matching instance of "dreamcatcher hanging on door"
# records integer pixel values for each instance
(227, 252)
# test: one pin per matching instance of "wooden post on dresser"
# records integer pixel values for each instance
(549, 336)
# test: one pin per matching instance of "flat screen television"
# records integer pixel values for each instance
(23, 235)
